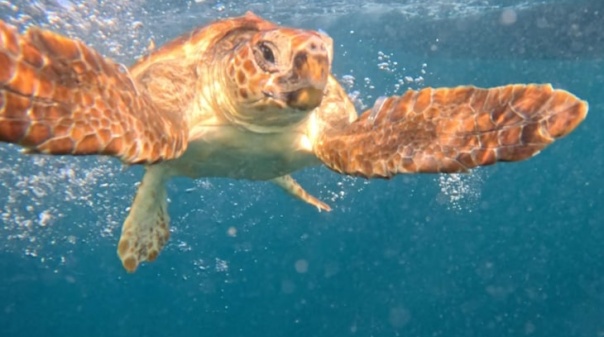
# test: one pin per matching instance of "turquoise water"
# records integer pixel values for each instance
(509, 250)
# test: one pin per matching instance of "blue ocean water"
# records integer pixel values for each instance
(508, 250)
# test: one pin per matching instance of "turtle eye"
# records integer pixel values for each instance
(265, 56)
(267, 52)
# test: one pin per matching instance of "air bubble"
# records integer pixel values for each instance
(508, 17)
(301, 266)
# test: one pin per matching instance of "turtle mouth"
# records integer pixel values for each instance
(303, 99)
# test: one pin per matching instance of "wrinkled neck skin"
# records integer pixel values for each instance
(223, 97)
(218, 94)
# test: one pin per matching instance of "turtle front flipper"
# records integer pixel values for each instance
(293, 188)
(450, 130)
(57, 96)
(146, 229)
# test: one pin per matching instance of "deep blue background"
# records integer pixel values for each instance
(520, 254)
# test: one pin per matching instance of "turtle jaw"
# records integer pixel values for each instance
(299, 100)
(308, 77)
(305, 99)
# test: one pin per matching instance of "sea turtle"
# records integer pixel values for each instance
(245, 98)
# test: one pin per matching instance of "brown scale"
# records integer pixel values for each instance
(57, 96)
(451, 130)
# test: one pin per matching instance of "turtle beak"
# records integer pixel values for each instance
(311, 68)
(306, 80)
(305, 99)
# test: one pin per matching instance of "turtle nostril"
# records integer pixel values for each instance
(300, 60)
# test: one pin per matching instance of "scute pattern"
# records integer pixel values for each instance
(451, 130)
(251, 116)
(58, 96)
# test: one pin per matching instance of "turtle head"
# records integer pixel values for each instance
(275, 78)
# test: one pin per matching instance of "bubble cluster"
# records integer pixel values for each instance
(385, 62)
(114, 29)
(42, 192)
(93, 195)
(460, 191)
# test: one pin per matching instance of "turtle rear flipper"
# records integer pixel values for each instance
(290, 186)
(58, 96)
(146, 229)
(450, 130)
